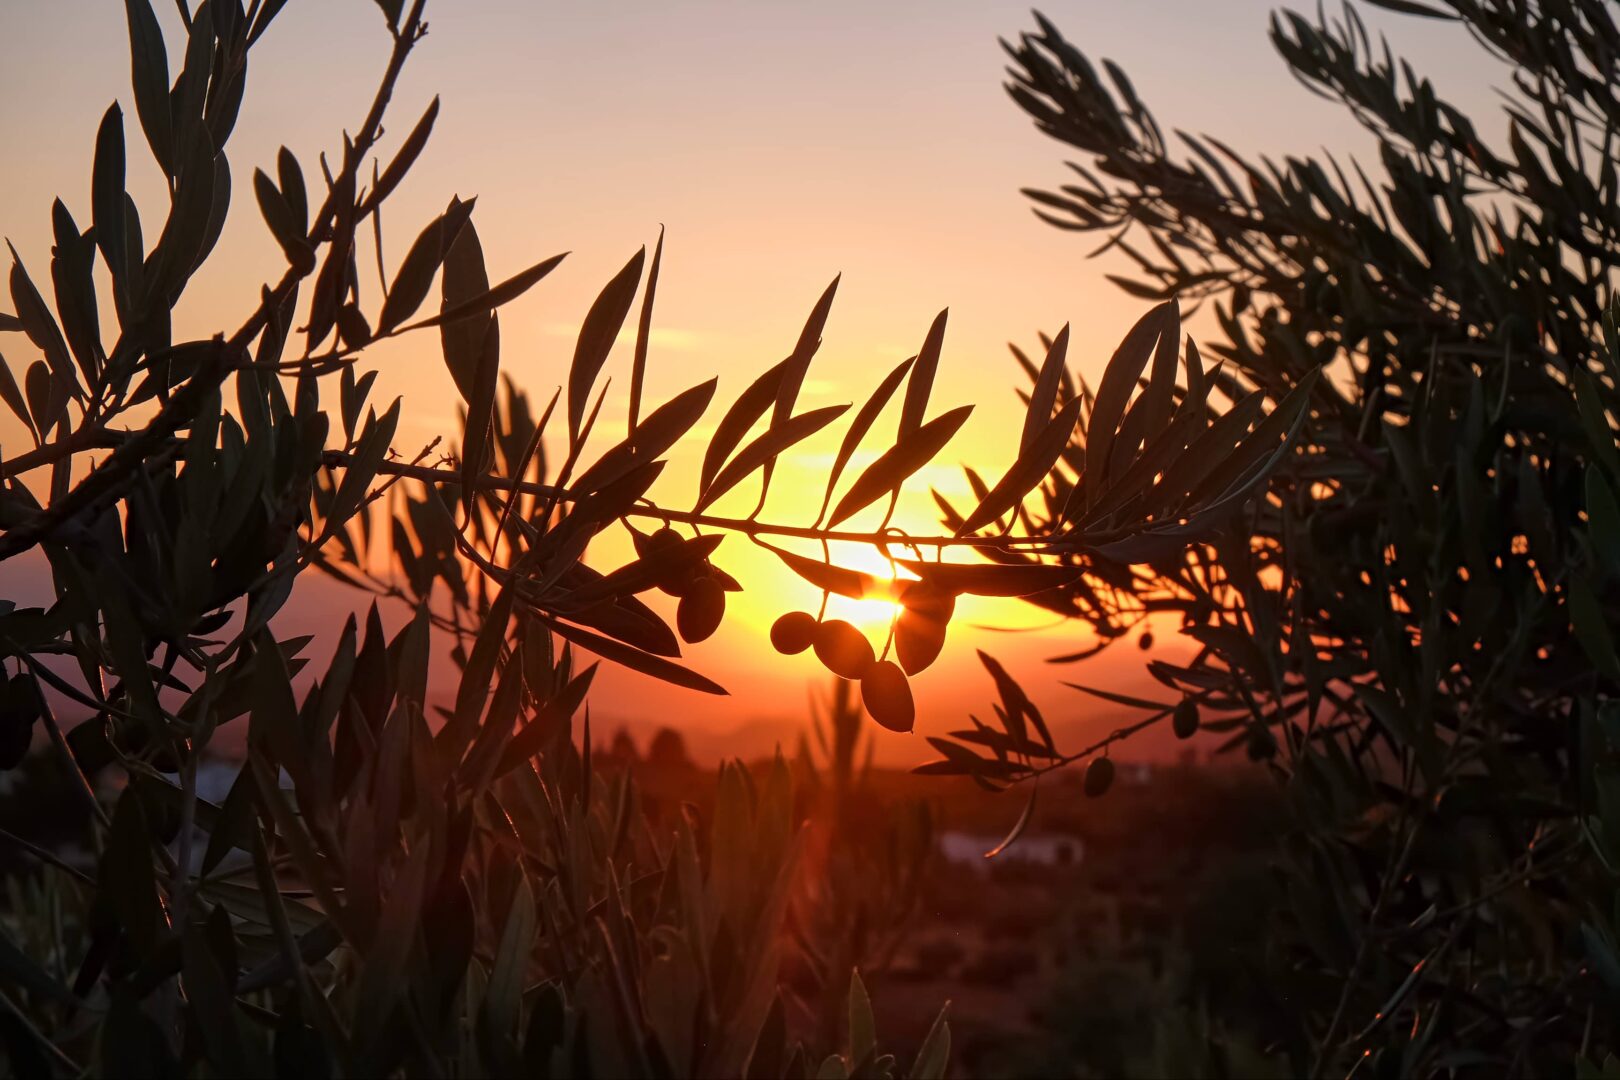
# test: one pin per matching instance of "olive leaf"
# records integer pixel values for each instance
(596, 336)
(905, 457)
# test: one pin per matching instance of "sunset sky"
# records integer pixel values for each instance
(780, 144)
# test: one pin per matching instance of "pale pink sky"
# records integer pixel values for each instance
(780, 144)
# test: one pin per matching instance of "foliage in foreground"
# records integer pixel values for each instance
(389, 887)
(1416, 626)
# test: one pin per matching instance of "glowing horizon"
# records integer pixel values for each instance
(779, 147)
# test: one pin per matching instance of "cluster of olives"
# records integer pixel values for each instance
(700, 585)
(844, 651)
(1184, 722)
(19, 708)
(919, 634)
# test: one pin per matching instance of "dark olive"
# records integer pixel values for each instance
(1145, 642)
(666, 543)
(919, 633)
(793, 633)
(701, 609)
(1099, 777)
(842, 649)
(1185, 721)
(887, 696)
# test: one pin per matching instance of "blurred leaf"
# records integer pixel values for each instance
(862, 1027)
(934, 1056)
(1020, 825)
(1591, 629)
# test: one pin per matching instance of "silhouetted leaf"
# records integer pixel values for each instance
(851, 583)
(1114, 393)
(910, 453)
(409, 150)
(921, 385)
(480, 412)
(107, 200)
(1035, 461)
(638, 368)
(860, 426)
(744, 412)
(635, 659)
(773, 442)
(661, 430)
(415, 274)
(149, 73)
(991, 579)
(596, 336)
(284, 224)
(1043, 397)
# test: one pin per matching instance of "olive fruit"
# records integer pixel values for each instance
(919, 633)
(1185, 721)
(1145, 642)
(701, 608)
(793, 633)
(665, 543)
(842, 649)
(1099, 777)
(887, 696)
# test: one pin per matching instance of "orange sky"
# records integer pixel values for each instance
(780, 144)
